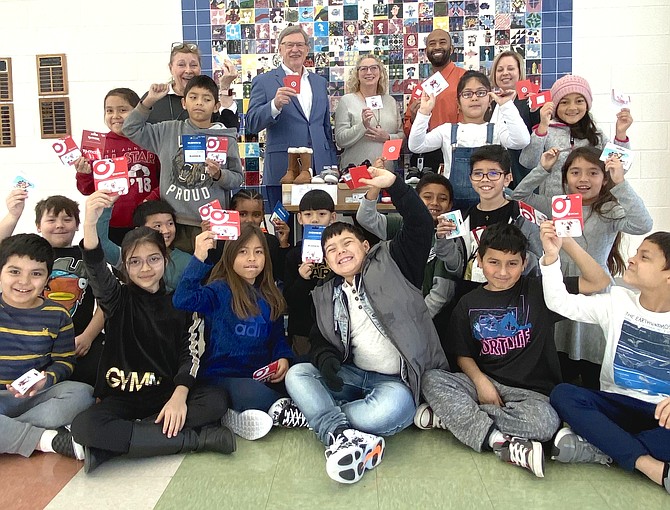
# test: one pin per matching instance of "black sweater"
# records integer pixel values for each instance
(150, 347)
(170, 108)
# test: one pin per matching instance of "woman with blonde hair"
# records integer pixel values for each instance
(361, 127)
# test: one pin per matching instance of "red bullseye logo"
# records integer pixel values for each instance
(392, 149)
(60, 148)
(218, 216)
(103, 168)
(524, 90)
(213, 144)
(527, 215)
(561, 207)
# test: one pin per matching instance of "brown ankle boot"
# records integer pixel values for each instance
(293, 166)
(305, 158)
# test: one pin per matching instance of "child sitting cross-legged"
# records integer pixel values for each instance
(503, 340)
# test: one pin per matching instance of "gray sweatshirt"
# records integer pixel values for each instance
(185, 186)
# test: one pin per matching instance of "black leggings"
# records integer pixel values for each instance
(109, 424)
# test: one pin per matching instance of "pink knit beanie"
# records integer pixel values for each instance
(569, 84)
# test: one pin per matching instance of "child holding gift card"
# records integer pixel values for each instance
(244, 324)
(572, 127)
(367, 116)
(610, 206)
(187, 185)
(143, 166)
(458, 140)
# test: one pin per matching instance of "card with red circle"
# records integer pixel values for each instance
(293, 81)
(67, 150)
(567, 215)
(92, 144)
(531, 214)
(111, 175)
(225, 224)
(356, 174)
(525, 88)
(264, 373)
(391, 149)
(217, 148)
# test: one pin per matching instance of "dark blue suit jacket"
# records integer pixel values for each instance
(291, 128)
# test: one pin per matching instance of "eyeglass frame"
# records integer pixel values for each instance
(479, 93)
(160, 259)
(374, 67)
(487, 174)
(290, 45)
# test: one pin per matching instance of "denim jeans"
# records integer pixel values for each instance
(370, 402)
(24, 420)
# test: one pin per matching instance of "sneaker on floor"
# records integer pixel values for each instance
(93, 457)
(285, 413)
(327, 176)
(413, 175)
(64, 443)
(373, 446)
(524, 453)
(345, 461)
(426, 419)
(251, 424)
(569, 447)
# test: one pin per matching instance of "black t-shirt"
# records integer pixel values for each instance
(68, 286)
(510, 334)
(487, 218)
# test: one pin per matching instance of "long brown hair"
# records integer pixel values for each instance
(615, 261)
(245, 296)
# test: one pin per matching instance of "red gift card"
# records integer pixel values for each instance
(111, 175)
(356, 173)
(92, 144)
(206, 210)
(66, 150)
(264, 373)
(567, 215)
(293, 81)
(531, 214)
(392, 149)
(539, 100)
(417, 92)
(524, 88)
(217, 148)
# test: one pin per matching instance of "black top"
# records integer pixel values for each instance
(170, 108)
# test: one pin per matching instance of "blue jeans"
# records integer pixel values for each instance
(370, 402)
(246, 393)
(24, 420)
(623, 427)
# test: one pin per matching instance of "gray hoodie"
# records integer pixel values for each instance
(185, 186)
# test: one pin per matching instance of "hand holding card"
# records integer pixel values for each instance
(525, 88)
(293, 82)
(27, 381)
(264, 373)
(111, 175)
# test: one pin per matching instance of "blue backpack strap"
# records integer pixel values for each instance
(489, 133)
(454, 134)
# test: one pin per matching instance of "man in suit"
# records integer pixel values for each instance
(291, 119)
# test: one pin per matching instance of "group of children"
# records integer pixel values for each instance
(423, 327)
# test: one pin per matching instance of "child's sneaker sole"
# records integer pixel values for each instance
(373, 455)
(251, 424)
(347, 465)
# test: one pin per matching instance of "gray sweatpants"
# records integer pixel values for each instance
(453, 398)
(24, 420)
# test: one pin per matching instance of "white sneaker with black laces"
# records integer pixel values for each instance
(285, 413)
(523, 453)
(571, 448)
(351, 453)
(425, 418)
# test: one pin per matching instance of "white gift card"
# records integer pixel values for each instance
(435, 84)
(456, 218)
(620, 100)
(27, 381)
(616, 151)
(374, 102)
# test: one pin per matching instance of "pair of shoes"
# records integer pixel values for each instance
(425, 418)
(351, 453)
(569, 447)
(285, 413)
(251, 424)
(522, 452)
(329, 175)
(64, 443)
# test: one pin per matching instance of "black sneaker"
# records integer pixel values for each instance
(285, 413)
(413, 175)
(523, 453)
(216, 439)
(569, 447)
(64, 443)
(93, 457)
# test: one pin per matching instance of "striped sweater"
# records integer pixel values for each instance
(41, 338)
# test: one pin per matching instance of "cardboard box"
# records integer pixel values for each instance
(350, 196)
(291, 194)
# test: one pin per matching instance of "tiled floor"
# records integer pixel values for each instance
(285, 470)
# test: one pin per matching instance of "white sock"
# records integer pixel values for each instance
(496, 437)
(45, 441)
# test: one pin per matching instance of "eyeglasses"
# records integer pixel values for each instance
(467, 94)
(297, 45)
(178, 46)
(365, 69)
(136, 263)
(491, 176)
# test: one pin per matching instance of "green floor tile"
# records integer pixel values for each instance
(541, 494)
(635, 492)
(415, 492)
(302, 456)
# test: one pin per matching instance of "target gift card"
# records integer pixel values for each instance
(67, 150)
(225, 224)
(217, 148)
(111, 175)
(293, 82)
(567, 214)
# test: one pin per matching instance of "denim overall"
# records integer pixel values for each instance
(464, 195)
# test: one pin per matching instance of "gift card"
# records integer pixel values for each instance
(311, 244)
(67, 150)
(92, 144)
(292, 81)
(531, 214)
(539, 100)
(567, 214)
(456, 218)
(616, 151)
(374, 102)
(217, 148)
(524, 88)
(111, 175)
(352, 179)
(391, 149)
(195, 148)
(206, 210)
(417, 92)
(27, 381)
(21, 182)
(225, 224)
(264, 373)
(279, 213)
(435, 84)
(620, 100)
